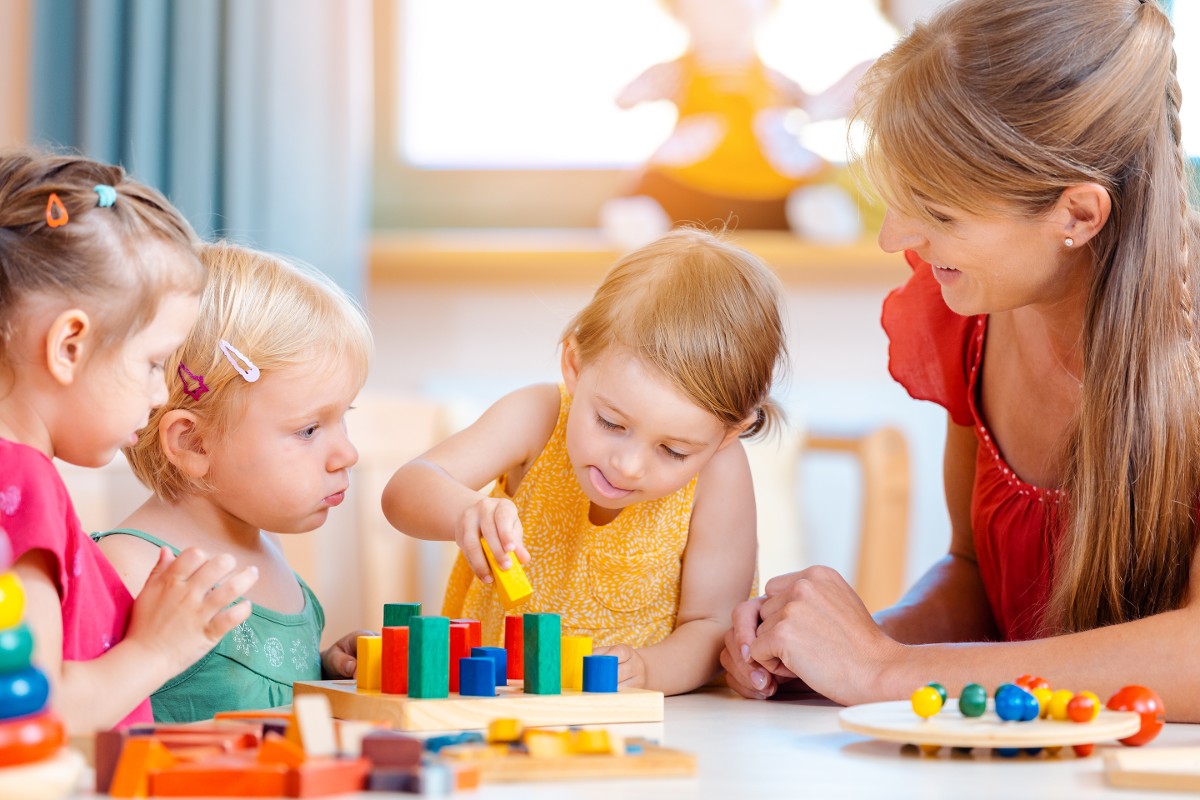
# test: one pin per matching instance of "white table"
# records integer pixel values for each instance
(794, 749)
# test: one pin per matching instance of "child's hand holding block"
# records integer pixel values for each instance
(512, 584)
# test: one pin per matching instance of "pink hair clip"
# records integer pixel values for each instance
(193, 384)
(246, 369)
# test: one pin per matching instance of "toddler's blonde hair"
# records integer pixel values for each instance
(278, 313)
(704, 313)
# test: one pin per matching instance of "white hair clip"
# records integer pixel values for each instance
(232, 354)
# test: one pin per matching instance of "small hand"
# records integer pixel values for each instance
(185, 608)
(631, 667)
(340, 659)
(495, 520)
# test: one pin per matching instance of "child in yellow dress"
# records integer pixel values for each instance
(625, 489)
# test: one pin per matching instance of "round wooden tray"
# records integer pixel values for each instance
(895, 721)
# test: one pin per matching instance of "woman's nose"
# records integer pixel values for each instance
(898, 233)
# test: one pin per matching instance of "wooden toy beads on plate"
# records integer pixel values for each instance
(1024, 716)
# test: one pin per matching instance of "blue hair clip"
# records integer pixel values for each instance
(108, 195)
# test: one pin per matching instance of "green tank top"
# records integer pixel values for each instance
(252, 667)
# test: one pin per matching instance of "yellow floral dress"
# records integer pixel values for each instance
(618, 583)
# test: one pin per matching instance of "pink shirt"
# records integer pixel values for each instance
(37, 514)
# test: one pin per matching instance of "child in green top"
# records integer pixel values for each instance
(251, 440)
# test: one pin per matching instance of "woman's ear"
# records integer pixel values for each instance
(1082, 210)
(179, 436)
(67, 343)
(570, 363)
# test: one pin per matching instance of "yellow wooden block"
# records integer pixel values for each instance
(511, 583)
(547, 744)
(574, 648)
(369, 671)
(504, 730)
(590, 742)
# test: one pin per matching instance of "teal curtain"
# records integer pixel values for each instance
(252, 116)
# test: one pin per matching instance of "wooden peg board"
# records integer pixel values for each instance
(455, 713)
(1155, 768)
(895, 721)
(652, 762)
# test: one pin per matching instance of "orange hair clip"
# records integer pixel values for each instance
(56, 212)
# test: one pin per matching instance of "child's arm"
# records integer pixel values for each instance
(718, 570)
(436, 496)
(180, 615)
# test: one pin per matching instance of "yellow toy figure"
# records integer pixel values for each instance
(731, 157)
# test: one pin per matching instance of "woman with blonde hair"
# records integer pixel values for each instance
(1030, 155)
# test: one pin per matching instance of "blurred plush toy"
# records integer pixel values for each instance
(731, 157)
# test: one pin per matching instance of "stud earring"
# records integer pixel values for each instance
(1068, 241)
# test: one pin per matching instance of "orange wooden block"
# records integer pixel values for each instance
(476, 631)
(140, 757)
(394, 660)
(318, 777)
(276, 749)
(466, 776)
(225, 776)
(460, 648)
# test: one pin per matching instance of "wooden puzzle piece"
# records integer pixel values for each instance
(512, 584)
(455, 712)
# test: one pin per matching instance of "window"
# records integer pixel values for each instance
(503, 114)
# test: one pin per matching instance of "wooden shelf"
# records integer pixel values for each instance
(464, 255)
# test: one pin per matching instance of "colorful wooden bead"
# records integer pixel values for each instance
(941, 690)
(1043, 696)
(1147, 704)
(1058, 704)
(1083, 708)
(12, 600)
(30, 738)
(16, 648)
(973, 700)
(23, 692)
(1011, 702)
(926, 702)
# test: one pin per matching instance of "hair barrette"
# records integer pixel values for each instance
(193, 384)
(56, 212)
(232, 354)
(108, 195)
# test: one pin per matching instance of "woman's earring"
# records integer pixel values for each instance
(1068, 241)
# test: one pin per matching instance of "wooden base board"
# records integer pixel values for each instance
(895, 721)
(652, 762)
(1175, 768)
(456, 713)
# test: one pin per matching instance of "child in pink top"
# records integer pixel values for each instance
(99, 283)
